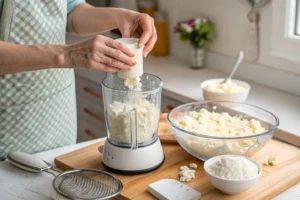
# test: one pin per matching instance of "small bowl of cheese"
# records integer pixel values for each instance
(232, 90)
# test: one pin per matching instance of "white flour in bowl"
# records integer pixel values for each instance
(233, 168)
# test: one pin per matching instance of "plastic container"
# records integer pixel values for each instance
(132, 116)
(137, 70)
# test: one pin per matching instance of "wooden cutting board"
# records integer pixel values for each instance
(274, 179)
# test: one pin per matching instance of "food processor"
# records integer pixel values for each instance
(132, 117)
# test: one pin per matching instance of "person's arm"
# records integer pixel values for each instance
(19, 58)
(100, 53)
(85, 19)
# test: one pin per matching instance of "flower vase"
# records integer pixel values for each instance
(198, 58)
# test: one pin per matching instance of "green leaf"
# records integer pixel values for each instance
(197, 37)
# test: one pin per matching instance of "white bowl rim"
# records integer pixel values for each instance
(227, 138)
(259, 166)
(220, 79)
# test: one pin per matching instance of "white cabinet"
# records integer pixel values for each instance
(90, 110)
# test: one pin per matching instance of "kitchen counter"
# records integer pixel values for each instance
(16, 184)
(183, 84)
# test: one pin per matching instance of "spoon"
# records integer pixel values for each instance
(236, 66)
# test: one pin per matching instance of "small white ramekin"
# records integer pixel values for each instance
(236, 97)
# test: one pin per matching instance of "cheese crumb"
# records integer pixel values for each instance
(272, 160)
(193, 165)
(186, 174)
(133, 83)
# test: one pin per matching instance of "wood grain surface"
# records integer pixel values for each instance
(274, 179)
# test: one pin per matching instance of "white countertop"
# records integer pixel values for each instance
(16, 184)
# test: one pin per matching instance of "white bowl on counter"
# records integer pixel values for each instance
(236, 96)
(231, 186)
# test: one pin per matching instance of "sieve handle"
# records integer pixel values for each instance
(133, 129)
(28, 162)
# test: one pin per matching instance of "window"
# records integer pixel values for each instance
(286, 29)
(297, 24)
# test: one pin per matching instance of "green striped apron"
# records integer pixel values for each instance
(37, 108)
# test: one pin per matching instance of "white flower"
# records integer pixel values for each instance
(204, 20)
(186, 27)
(197, 22)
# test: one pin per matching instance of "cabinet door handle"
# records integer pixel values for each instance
(169, 108)
(89, 133)
(95, 94)
(94, 115)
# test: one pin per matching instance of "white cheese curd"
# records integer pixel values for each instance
(118, 115)
(186, 174)
(218, 125)
(133, 83)
(193, 165)
(272, 160)
(233, 168)
(229, 86)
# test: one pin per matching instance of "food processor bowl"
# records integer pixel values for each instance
(131, 116)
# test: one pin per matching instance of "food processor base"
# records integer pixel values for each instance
(122, 160)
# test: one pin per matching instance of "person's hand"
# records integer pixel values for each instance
(100, 53)
(134, 24)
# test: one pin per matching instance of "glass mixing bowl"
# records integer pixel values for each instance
(204, 146)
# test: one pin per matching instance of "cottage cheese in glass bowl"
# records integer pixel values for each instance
(208, 129)
(232, 90)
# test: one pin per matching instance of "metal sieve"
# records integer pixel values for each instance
(81, 184)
